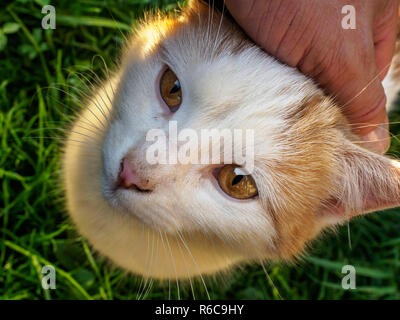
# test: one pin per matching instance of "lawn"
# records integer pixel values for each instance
(42, 74)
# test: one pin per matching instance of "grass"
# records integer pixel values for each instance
(35, 230)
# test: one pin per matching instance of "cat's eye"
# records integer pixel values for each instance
(170, 90)
(235, 183)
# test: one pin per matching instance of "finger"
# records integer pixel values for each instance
(385, 33)
(367, 110)
(277, 26)
(369, 117)
(358, 90)
(378, 140)
(384, 51)
(352, 77)
(242, 11)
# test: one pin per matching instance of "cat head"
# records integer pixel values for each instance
(198, 71)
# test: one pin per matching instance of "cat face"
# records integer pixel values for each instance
(227, 83)
(200, 72)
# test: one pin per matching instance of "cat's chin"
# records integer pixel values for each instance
(134, 203)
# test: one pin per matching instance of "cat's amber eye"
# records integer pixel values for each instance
(170, 90)
(235, 183)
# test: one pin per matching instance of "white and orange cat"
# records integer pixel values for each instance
(183, 220)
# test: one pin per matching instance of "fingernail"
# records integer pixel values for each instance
(378, 140)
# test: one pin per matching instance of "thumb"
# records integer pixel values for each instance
(355, 82)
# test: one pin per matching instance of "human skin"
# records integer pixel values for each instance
(349, 64)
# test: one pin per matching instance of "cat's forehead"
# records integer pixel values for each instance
(225, 78)
(217, 64)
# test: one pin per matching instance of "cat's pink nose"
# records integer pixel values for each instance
(129, 179)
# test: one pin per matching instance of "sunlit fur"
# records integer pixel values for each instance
(309, 173)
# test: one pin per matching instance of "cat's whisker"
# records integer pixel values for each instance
(93, 139)
(66, 118)
(142, 277)
(187, 269)
(101, 132)
(173, 264)
(84, 76)
(93, 88)
(158, 245)
(100, 108)
(101, 83)
(84, 151)
(86, 143)
(348, 235)
(151, 265)
(91, 124)
(63, 130)
(388, 131)
(169, 288)
(168, 265)
(86, 128)
(198, 13)
(143, 287)
(75, 110)
(146, 263)
(149, 287)
(67, 93)
(148, 281)
(94, 100)
(219, 29)
(394, 136)
(208, 24)
(74, 98)
(366, 87)
(368, 141)
(212, 18)
(366, 125)
(195, 263)
(269, 279)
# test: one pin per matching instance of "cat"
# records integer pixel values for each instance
(178, 221)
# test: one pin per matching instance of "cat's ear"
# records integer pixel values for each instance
(365, 182)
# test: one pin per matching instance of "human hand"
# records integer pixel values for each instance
(349, 63)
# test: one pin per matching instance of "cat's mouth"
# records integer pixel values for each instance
(120, 185)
